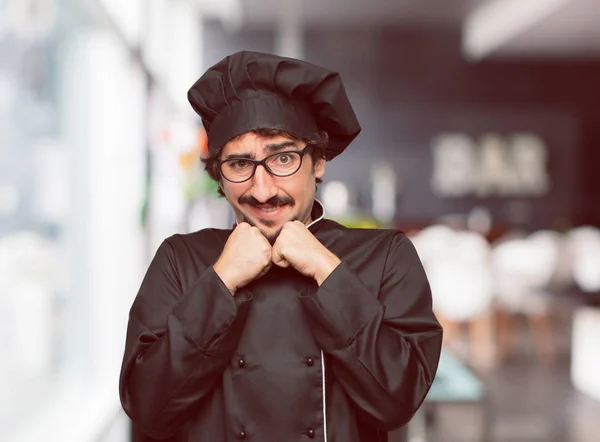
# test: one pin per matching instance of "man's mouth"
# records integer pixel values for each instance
(268, 209)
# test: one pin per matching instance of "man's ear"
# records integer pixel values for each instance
(221, 187)
(319, 167)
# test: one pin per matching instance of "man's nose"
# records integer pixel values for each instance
(263, 185)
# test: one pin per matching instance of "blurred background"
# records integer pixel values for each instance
(481, 140)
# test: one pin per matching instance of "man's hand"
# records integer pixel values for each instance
(245, 257)
(296, 246)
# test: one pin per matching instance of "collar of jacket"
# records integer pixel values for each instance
(317, 214)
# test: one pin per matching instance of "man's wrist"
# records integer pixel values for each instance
(225, 278)
(327, 267)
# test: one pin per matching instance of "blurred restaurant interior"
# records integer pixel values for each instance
(481, 140)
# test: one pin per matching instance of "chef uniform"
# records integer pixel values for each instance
(284, 360)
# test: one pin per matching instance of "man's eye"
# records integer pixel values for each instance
(284, 158)
(240, 164)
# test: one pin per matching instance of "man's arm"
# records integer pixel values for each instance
(178, 344)
(383, 350)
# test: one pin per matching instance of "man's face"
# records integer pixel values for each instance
(267, 201)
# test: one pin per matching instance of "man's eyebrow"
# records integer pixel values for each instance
(244, 156)
(273, 147)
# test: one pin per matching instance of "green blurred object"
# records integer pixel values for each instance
(358, 222)
(208, 185)
(201, 185)
(145, 203)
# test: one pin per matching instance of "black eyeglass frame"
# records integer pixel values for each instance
(263, 163)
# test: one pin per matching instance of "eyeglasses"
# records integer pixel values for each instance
(281, 164)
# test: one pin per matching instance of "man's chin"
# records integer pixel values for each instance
(271, 234)
(268, 228)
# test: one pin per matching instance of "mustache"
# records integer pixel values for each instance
(273, 201)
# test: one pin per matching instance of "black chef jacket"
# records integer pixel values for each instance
(283, 360)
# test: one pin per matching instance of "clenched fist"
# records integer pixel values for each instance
(298, 247)
(245, 257)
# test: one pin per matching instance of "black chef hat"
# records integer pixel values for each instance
(252, 90)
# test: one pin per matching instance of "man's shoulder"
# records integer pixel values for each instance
(361, 232)
(381, 238)
(204, 238)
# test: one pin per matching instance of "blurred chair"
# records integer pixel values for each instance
(523, 270)
(584, 249)
(457, 266)
(433, 241)
(584, 244)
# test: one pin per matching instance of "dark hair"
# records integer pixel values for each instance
(317, 142)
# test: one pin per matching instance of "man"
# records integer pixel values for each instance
(288, 327)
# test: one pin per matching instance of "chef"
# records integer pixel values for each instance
(288, 326)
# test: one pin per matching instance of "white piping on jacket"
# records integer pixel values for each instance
(324, 401)
(322, 354)
(322, 213)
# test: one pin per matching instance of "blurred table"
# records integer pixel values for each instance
(455, 384)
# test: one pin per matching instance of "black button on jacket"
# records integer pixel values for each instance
(207, 366)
